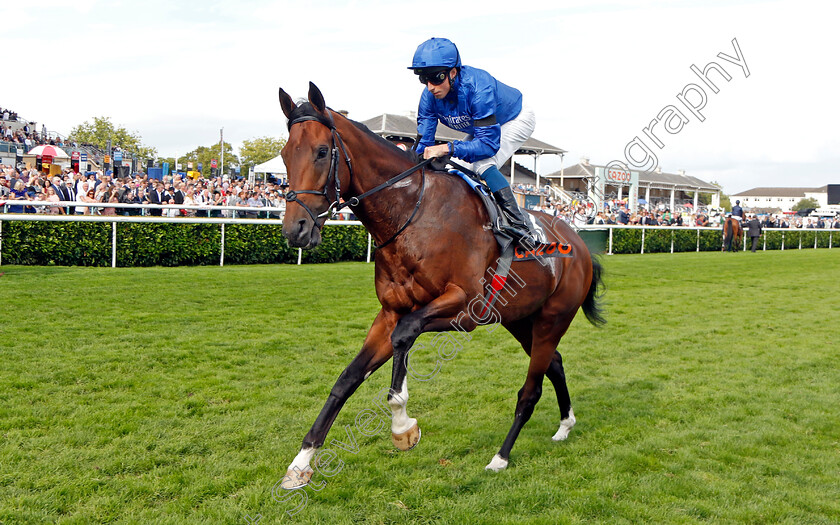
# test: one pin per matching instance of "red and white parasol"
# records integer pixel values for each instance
(49, 151)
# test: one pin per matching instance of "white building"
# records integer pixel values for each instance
(779, 199)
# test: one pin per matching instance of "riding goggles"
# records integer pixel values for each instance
(434, 78)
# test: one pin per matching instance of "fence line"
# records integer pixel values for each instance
(612, 227)
(114, 219)
(144, 207)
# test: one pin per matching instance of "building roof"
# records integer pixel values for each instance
(780, 192)
(403, 128)
(646, 178)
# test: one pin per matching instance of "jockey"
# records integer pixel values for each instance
(737, 211)
(470, 100)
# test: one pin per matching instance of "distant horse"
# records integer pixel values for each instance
(732, 234)
(435, 256)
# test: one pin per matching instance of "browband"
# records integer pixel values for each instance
(306, 112)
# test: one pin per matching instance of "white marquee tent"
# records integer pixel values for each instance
(275, 166)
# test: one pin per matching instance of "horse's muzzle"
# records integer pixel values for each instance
(303, 233)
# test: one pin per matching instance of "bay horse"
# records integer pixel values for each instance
(435, 255)
(732, 234)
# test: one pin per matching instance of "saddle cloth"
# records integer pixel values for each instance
(542, 247)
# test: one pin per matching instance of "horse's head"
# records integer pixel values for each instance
(312, 160)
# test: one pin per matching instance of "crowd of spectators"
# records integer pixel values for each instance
(8, 114)
(96, 187)
(24, 185)
(27, 135)
(530, 189)
(580, 214)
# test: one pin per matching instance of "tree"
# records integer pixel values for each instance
(258, 150)
(101, 130)
(204, 154)
(806, 204)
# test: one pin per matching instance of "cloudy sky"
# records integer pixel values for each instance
(596, 72)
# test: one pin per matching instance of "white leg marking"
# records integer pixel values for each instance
(565, 427)
(299, 473)
(497, 464)
(301, 461)
(367, 375)
(400, 422)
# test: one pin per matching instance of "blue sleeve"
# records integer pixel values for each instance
(485, 143)
(427, 122)
(486, 139)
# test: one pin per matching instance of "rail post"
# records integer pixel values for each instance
(113, 244)
(643, 241)
(369, 243)
(222, 254)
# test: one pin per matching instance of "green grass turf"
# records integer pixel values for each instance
(180, 395)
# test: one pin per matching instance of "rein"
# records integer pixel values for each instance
(335, 204)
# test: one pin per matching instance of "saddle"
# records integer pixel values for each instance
(499, 221)
(511, 251)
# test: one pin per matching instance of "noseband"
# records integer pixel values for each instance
(308, 113)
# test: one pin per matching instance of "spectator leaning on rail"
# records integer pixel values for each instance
(472, 101)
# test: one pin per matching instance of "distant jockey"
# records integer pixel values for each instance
(470, 100)
(737, 211)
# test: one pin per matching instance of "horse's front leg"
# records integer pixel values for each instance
(375, 352)
(433, 317)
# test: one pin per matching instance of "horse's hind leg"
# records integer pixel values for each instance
(546, 333)
(567, 415)
(522, 331)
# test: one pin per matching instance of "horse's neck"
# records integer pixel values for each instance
(375, 163)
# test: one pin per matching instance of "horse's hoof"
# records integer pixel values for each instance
(408, 439)
(296, 478)
(498, 464)
(565, 427)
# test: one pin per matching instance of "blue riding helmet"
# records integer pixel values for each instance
(436, 52)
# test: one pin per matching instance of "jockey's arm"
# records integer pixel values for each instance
(426, 127)
(487, 132)
(486, 140)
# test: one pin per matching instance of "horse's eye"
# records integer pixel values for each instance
(322, 153)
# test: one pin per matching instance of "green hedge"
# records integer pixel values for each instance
(659, 241)
(144, 244)
(89, 243)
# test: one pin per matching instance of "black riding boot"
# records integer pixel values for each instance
(515, 216)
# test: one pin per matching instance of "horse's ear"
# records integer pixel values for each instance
(316, 98)
(286, 103)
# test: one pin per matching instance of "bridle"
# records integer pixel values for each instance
(333, 180)
(337, 144)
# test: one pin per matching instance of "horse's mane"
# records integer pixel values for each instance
(410, 154)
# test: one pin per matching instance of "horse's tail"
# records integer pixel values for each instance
(727, 233)
(592, 308)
